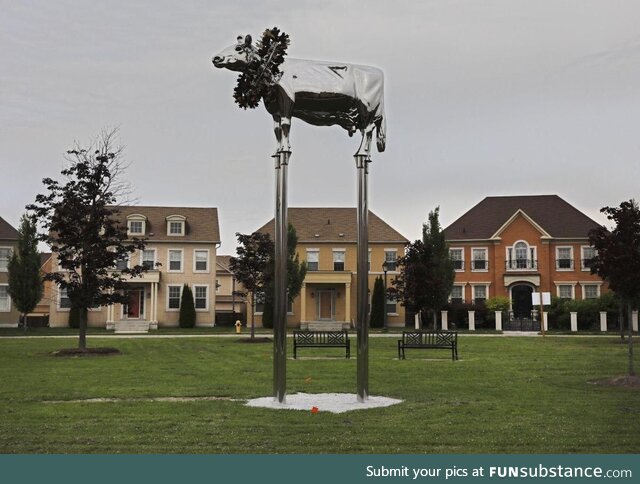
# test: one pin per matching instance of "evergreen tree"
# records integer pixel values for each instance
(378, 304)
(187, 308)
(426, 271)
(296, 272)
(25, 280)
(80, 222)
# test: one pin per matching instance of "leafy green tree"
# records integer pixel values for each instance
(426, 271)
(187, 308)
(25, 279)
(252, 267)
(617, 258)
(80, 222)
(496, 303)
(296, 272)
(378, 303)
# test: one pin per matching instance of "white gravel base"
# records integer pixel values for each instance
(324, 402)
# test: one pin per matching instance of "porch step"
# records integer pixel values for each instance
(131, 327)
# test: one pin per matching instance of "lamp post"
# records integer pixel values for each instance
(385, 269)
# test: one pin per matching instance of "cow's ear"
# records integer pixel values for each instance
(247, 40)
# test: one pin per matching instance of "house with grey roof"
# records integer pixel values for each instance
(515, 245)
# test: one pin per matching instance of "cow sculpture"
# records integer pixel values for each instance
(320, 93)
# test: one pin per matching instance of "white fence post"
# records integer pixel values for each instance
(472, 320)
(634, 320)
(498, 320)
(603, 321)
(416, 320)
(545, 320)
(445, 320)
(574, 321)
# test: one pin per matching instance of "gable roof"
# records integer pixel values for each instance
(553, 215)
(201, 223)
(7, 232)
(223, 261)
(327, 224)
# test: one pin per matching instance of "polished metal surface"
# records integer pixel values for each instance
(362, 281)
(280, 280)
(320, 93)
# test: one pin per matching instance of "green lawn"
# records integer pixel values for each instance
(505, 395)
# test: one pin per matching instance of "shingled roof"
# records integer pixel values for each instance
(7, 232)
(335, 225)
(555, 216)
(201, 223)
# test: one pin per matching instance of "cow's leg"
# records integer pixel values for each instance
(277, 129)
(286, 110)
(365, 144)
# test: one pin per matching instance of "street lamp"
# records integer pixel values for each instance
(385, 269)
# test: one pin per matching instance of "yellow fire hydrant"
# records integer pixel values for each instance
(238, 327)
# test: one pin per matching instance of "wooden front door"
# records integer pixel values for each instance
(135, 308)
(326, 310)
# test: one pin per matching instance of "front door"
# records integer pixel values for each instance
(135, 308)
(521, 301)
(325, 306)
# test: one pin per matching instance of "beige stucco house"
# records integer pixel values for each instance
(9, 316)
(183, 240)
(327, 242)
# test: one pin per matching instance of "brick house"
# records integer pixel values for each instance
(327, 242)
(184, 241)
(511, 246)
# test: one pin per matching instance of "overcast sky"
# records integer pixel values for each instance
(483, 98)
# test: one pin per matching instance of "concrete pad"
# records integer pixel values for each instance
(324, 402)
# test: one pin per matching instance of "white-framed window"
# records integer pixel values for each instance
(176, 225)
(175, 257)
(201, 260)
(590, 291)
(521, 257)
(565, 291)
(479, 259)
(122, 264)
(136, 224)
(457, 257)
(148, 258)
(64, 302)
(313, 259)
(457, 294)
(258, 302)
(5, 298)
(564, 258)
(587, 253)
(391, 258)
(480, 293)
(5, 257)
(338, 259)
(174, 293)
(391, 305)
(369, 261)
(201, 297)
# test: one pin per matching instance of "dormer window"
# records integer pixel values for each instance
(136, 224)
(176, 225)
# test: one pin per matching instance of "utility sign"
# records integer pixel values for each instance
(535, 298)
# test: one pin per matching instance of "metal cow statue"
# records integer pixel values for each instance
(320, 93)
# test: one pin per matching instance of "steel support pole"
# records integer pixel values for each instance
(280, 280)
(362, 282)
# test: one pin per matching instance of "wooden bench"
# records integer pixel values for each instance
(321, 339)
(447, 340)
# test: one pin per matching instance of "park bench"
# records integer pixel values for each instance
(447, 340)
(321, 339)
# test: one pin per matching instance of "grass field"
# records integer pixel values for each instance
(505, 395)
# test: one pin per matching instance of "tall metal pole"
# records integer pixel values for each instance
(362, 282)
(280, 280)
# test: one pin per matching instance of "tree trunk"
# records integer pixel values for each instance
(23, 316)
(629, 316)
(253, 324)
(82, 340)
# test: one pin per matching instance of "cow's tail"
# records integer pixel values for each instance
(381, 134)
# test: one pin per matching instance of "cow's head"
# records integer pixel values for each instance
(236, 57)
